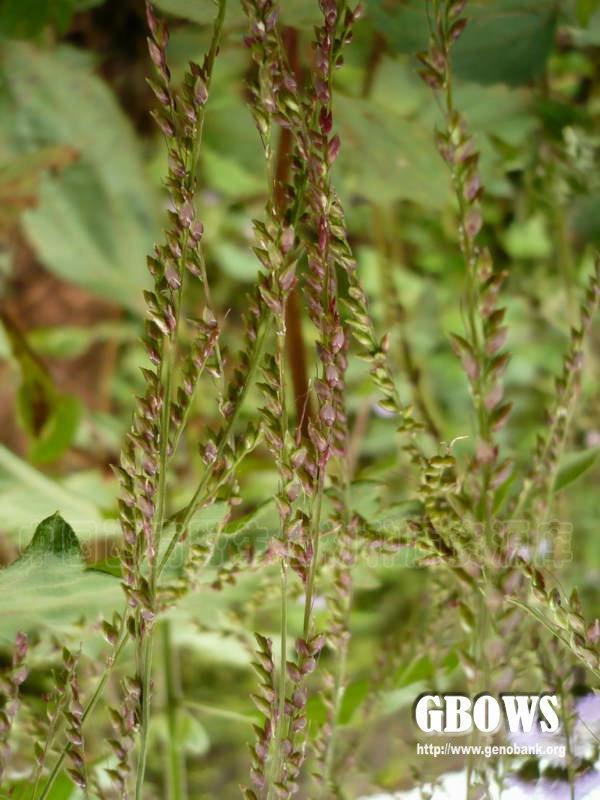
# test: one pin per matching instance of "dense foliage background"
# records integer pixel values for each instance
(81, 205)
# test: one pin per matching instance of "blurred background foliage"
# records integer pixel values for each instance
(81, 205)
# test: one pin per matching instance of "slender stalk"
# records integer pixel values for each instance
(276, 765)
(176, 778)
(338, 695)
(168, 353)
(569, 751)
(223, 713)
(146, 664)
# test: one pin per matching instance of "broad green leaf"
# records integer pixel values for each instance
(507, 41)
(404, 25)
(584, 9)
(63, 788)
(27, 18)
(398, 155)
(389, 153)
(573, 465)
(71, 341)
(19, 177)
(26, 494)
(96, 219)
(49, 584)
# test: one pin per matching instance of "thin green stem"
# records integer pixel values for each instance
(223, 713)
(176, 778)
(276, 759)
(567, 726)
(338, 694)
(146, 663)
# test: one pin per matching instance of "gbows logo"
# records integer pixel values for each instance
(457, 713)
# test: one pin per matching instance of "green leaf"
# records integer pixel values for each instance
(26, 494)
(507, 41)
(584, 9)
(51, 419)
(417, 671)
(354, 696)
(27, 18)
(63, 788)
(573, 465)
(528, 239)
(96, 220)
(59, 431)
(49, 584)
(502, 492)
(237, 262)
(388, 151)
(316, 712)
(190, 735)
(53, 536)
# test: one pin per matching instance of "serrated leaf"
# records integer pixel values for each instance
(50, 584)
(53, 536)
(573, 465)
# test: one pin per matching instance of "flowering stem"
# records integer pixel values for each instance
(146, 666)
(120, 646)
(315, 531)
(186, 514)
(276, 765)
